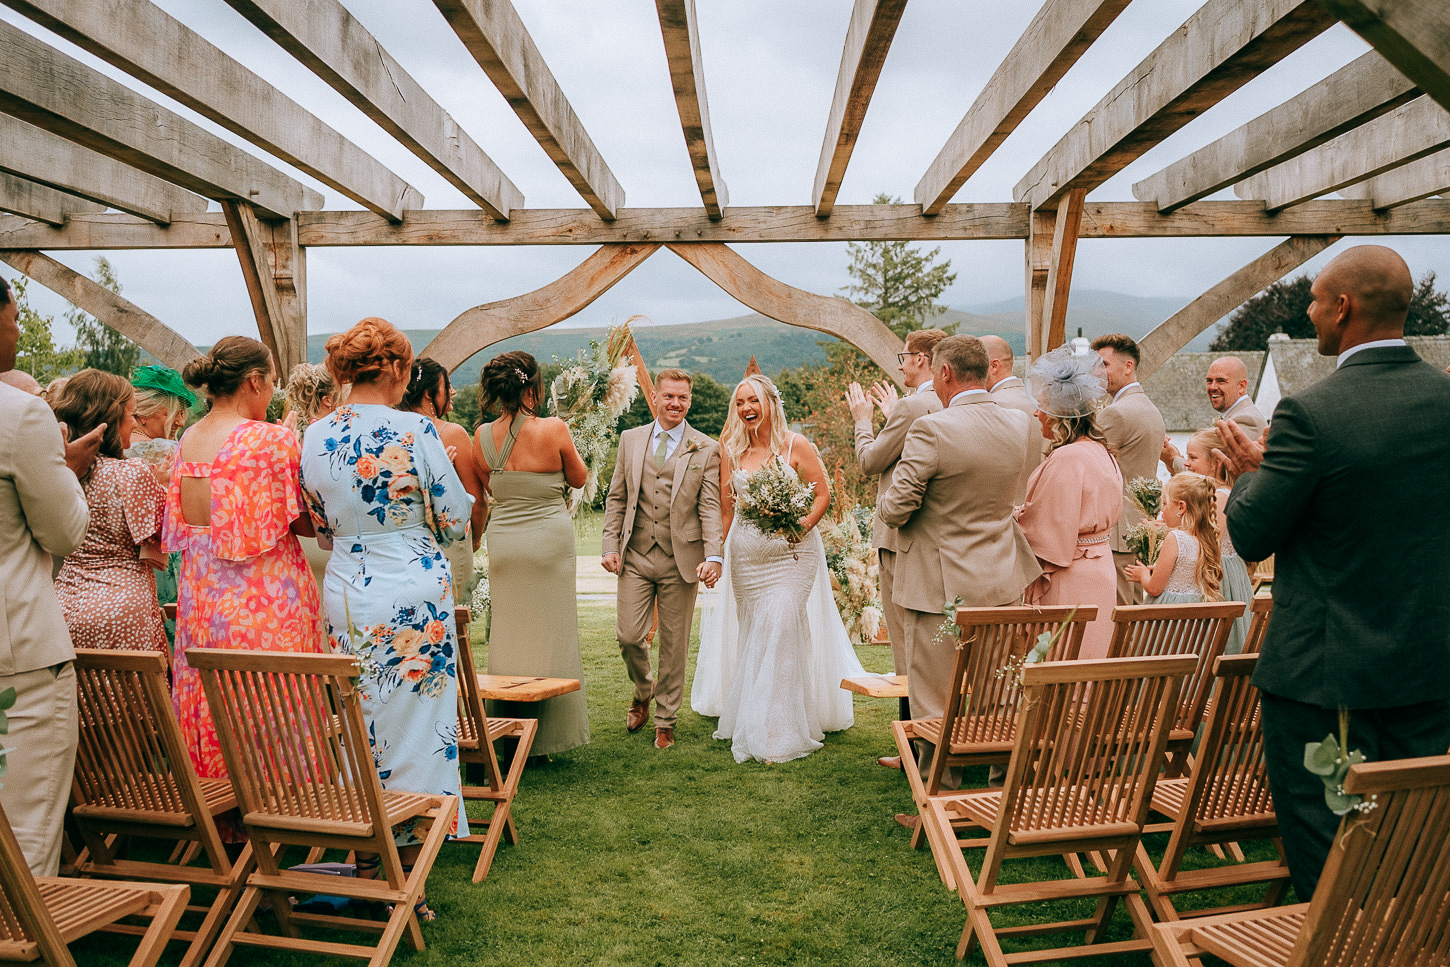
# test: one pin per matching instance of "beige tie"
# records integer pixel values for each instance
(660, 450)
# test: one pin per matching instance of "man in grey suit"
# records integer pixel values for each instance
(1227, 386)
(1134, 430)
(1009, 391)
(1349, 495)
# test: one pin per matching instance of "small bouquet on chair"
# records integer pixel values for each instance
(775, 500)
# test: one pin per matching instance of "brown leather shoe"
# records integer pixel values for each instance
(890, 762)
(908, 820)
(637, 715)
(664, 738)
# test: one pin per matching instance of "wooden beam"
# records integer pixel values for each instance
(1406, 134)
(642, 376)
(1414, 35)
(1221, 47)
(1412, 182)
(30, 199)
(337, 48)
(868, 39)
(1360, 91)
(50, 90)
(475, 329)
(1060, 33)
(1066, 224)
(1180, 328)
(497, 39)
(141, 39)
(137, 325)
(1038, 252)
(797, 307)
(38, 155)
(274, 270)
(681, 31)
(1228, 219)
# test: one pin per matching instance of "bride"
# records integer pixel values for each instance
(773, 650)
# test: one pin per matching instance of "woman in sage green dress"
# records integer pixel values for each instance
(528, 464)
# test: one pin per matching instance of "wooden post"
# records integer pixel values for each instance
(1066, 223)
(646, 385)
(274, 268)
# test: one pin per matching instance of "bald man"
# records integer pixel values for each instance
(1227, 386)
(21, 380)
(1010, 392)
(1348, 494)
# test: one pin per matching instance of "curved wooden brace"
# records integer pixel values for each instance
(796, 307)
(130, 320)
(475, 329)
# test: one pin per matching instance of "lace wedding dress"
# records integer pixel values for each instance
(773, 649)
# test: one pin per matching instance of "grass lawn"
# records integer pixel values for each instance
(633, 856)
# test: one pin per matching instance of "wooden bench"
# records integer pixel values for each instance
(524, 688)
(876, 686)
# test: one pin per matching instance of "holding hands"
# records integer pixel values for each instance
(708, 572)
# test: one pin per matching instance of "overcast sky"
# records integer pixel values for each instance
(770, 70)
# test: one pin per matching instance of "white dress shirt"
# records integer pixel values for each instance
(674, 436)
(1372, 344)
(964, 394)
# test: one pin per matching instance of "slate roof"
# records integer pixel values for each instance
(1176, 388)
(1298, 363)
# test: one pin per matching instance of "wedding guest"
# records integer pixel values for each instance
(106, 587)
(234, 510)
(1237, 584)
(431, 393)
(528, 463)
(1227, 386)
(380, 488)
(21, 380)
(1009, 391)
(1189, 568)
(1074, 497)
(312, 393)
(53, 389)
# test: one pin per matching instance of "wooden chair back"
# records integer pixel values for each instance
(27, 930)
(472, 717)
(1260, 609)
(1229, 784)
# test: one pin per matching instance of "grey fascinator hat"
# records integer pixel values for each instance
(1065, 384)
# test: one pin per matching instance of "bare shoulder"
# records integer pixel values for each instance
(453, 434)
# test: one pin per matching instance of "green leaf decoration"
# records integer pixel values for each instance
(1339, 802)
(7, 700)
(1322, 758)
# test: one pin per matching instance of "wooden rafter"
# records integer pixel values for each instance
(1406, 134)
(1416, 180)
(1178, 329)
(868, 38)
(30, 199)
(58, 93)
(1067, 223)
(497, 39)
(331, 43)
(1221, 47)
(1058, 35)
(131, 321)
(150, 45)
(1360, 91)
(681, 31)
(274, 268)
(1414, 35)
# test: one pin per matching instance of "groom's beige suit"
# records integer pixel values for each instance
(663, 522)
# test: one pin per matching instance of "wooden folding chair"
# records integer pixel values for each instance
(1143, 630)
(292, 732)
(1089, 748)
(39, 916)
(1261, 608)
(1383, 899)
(1225, 799)
(981, 711)
(133, 777)
(477, 732)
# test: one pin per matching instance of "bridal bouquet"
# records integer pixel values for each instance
(590, 395)
(775, 500)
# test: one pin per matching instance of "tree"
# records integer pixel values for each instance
(896, 281)
(101, 346)
(1283, 307)
(36, 352)
(814, 395)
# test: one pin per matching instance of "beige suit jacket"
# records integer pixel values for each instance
(1134, 430)
(951, 499)
(878, 453)
(1011, 392)
(694, 498)
(1245, 414)
(42, 512)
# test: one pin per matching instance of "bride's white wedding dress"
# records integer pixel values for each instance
(773, 649)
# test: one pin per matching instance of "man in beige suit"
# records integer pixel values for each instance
(1009, 391)
(878, 453)
(1227, 386)
(1134, 430)
(662, 537)
(42, 513)
(951, 500)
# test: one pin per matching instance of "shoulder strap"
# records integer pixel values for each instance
(789, 446)
(500, 456)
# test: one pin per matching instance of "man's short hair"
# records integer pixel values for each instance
(1120, 344)
(924, 340)
(4, 291)
(964, 356)
(676, 374)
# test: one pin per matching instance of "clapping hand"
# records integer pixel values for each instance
(858, 403)
(1240, 454)
(1169, 453)
(885, 395)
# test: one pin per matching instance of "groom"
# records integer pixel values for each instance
(662, 536)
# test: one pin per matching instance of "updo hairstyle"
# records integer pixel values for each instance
(361, 354)
(90, 398)
(423, 381)
(307, 384)
(220, 372)
(506, 380)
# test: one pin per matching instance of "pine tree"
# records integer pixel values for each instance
(896, 281)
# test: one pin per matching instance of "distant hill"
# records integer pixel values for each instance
(1097, 312)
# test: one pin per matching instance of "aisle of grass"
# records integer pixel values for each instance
(633, 856)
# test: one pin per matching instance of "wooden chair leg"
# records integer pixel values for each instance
(165, 914)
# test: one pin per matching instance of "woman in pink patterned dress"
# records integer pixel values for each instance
(234, 510)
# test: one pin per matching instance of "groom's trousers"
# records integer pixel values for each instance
(648, 581)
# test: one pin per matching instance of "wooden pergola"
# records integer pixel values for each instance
(87, 163)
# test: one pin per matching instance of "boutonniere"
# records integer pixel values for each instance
(693, 446)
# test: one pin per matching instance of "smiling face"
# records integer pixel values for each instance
(672, 402)
(750, 411)
(1117, 370)
(128, 420)
(1225, 383)
(1198, 459)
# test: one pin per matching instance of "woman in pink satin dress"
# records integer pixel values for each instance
(1074, 497)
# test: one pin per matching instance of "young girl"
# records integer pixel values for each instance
(1189, 567)
(1237, 585)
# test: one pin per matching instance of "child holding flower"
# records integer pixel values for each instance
(1189, 568)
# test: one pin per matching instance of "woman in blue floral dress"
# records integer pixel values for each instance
(379, 486)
